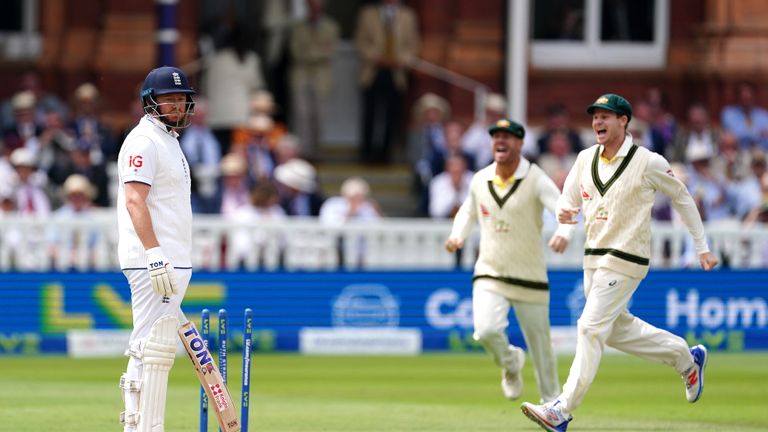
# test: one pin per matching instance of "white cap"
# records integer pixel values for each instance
(24, 100)
(355, 186)
(698, 152)
(78, 183)
(297, 174)
(233, 165)
(23, 157)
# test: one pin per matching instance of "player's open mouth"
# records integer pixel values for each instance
(601, 133)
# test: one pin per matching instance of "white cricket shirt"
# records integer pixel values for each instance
(151, 154)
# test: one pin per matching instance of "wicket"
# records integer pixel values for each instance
(246, 381)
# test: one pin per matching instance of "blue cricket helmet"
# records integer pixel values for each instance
(167, 80)
(164, 80)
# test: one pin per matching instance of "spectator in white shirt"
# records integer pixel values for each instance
(450, 188)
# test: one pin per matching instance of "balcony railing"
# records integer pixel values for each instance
(306, 244)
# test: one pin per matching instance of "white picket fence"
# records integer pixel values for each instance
(85, 244)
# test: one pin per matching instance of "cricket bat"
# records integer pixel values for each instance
(210, 378)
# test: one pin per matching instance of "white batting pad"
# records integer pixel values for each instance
(157, 358)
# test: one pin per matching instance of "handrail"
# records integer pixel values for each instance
(90, 243)
(479, 89)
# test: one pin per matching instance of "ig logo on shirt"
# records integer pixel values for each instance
(135, 161)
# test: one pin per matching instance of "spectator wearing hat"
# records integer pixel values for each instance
(258, 149)
(234, 184)
(427, 143)
(88, 126)
(31, 199)
(313, 46)
(203, 153)
(387, 39)
(507, 199)
(24, 129)
(353, 205)
(64, 245)
(297, 184)
(745, 119)
(475, 139)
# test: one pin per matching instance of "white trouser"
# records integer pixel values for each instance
(491, 310)
(606, 320)
(147, 307)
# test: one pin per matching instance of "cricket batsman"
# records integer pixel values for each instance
(154, 216)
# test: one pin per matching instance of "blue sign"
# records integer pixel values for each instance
(725, 310)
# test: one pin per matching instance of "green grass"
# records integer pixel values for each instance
(435, 392)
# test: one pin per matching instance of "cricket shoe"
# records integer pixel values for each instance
(549, 416)
(512, 382)
(694, 377)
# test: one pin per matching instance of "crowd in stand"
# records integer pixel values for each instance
(724, 166)
(247, 164)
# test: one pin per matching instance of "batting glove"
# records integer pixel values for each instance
(161, 273)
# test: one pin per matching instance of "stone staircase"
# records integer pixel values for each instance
(392, 186)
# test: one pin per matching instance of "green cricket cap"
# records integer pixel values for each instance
(612, 102)
(509, 126)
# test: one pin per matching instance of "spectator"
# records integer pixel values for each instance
(264, 205)
(387, 38)
(31, 199)
(203, 153)
(427, 143)
(258, 149)
(662, 123)
(231, 75)
(65, 245)
(454, 130)
(559, 156)
(353, 205)
(56, 142)
(24, 129)
(277, 18)
(313, 45)
(450, 188)
(708, 190)
(297, 185)
(87, 126)
(475, 139)
(746, 193)
(234, 184)
(79, 162)
(745, 119)
(287, 148)
(698, 133)
(731, 163)
(558, 122)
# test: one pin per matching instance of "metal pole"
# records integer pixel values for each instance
(517, 58)
(167, 32)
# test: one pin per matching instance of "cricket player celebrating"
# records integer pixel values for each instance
(154, 218)
(507, 199)
(613, 184)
